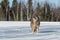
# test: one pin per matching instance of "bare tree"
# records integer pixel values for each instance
(27, 12)
(21, 11)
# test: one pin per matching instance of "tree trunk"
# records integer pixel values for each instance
(13, 16)
(17, 13)
(21, 12)
(27, 12)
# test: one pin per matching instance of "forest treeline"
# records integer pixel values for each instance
(22, 11)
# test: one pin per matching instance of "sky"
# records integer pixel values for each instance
(56, 2)
(0, 0)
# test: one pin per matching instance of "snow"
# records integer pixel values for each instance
(24, 23)
(22, 31)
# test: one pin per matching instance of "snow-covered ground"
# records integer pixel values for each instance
(22, 31)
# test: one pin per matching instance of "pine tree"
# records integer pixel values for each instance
(25, 13)
(38, 10)
(5, 8)
(30, 8)
(47, 12)
(15, 6)
(19, 12)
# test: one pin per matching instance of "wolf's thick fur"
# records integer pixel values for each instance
(35, 22)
